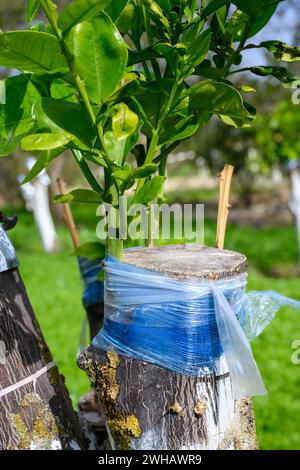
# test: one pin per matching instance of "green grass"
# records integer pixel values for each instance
(55, 291)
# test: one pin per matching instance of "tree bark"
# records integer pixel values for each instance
(149, 407)
(38, 415)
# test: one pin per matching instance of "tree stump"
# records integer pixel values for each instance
(149, 407)
(39, 414)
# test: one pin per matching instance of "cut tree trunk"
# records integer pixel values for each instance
(149, 407)
(39, 414)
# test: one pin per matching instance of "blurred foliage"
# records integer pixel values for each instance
(278, 133)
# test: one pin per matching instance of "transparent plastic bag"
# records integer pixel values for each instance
(186, 326)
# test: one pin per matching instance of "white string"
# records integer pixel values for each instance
(31, 378)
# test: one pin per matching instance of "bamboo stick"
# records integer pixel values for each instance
(67, 214)
(223, 209)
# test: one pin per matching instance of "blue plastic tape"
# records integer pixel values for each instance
(186, 326)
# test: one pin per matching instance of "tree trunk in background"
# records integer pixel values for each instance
(295, 204)
(149, 407)
(38, 415)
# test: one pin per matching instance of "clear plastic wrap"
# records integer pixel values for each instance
(186, 326)
(8, 258)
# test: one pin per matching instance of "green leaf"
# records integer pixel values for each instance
(114, 9)
(60, 89)
(251, 8)
(91, 250)
(122, 173)
(145, 170)
(78, 195)
(282, 51)
(199, 48)
(207, 71)
(71, 117)
(218, 98)
(2, 92)
(45, 141)
(127, 87)
(31, 51)
(158, 17)
(100, 56)
(150, 191)
(15, 116)
(282, 74)
(240, 20)
(114, 147)
(247, 89)
(213, 6)
(79, 11)
(42, 162)
(124, 121)
(260, 20)
(31, 9)
(127, 17)
(7, 146)
(96, 159)
(181, 130)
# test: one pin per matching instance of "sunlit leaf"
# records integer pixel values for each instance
(150, 191)
(282, 51)
(31, 8)
(124, 121)
(15, 115)
(42, 162)
(31, 51)
(78, 195)
(45, 141)
(100, 56)
(218, 98)
(79, 11)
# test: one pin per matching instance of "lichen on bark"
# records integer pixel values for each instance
(123, 430)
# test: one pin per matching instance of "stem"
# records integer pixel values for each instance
(164, 154)
(149, 157)
(114, 247)
(156, 132)
(84, 96)
(167, 106)
(241, 45)
(155, 66)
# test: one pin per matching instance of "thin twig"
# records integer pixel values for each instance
(223, 209)
(68, 217)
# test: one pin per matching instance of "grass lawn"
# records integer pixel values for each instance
(54, 288)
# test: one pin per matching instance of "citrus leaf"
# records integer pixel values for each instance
(150, 191)
(31, 51)
(78, 195)
(124, 121)
(72, 117)
(282, 51)
(217, 98)
(46, 141)
(31, 9)
(100, 56)
(42, 162)
(79, 11)
(144, 170)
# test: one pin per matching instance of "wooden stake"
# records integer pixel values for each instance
(68, 218)
(223, 209)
